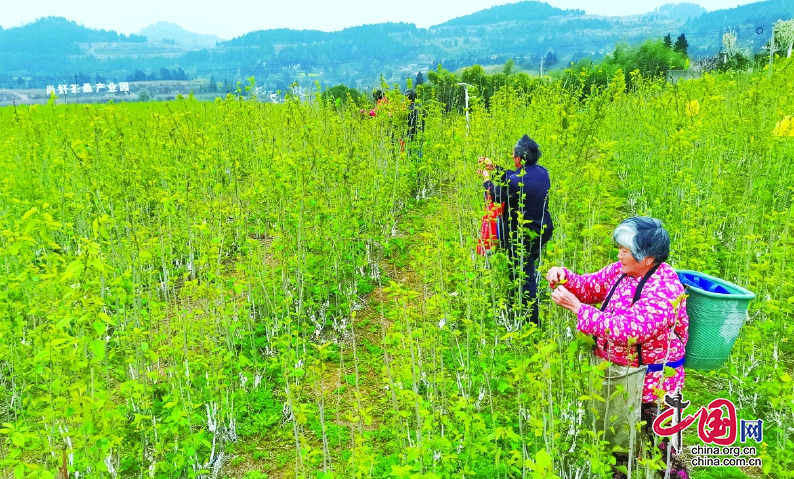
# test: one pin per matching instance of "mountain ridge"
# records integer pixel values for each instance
(164, 31)
(527, 32)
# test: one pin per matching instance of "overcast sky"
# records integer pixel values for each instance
(237, 17)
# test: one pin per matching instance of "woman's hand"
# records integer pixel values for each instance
(566, 299)
(486, 166)
(555, 276)
(486, 162)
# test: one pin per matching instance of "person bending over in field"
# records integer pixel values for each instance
(378, 99)
(526, 221)
(640, 327)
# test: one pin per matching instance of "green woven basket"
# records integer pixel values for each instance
(717, 310)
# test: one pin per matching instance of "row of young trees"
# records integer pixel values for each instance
(652, 58)
(681, 44)
(215, 86)
(164, 74)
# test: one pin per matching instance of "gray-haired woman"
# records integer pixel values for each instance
(641, 325)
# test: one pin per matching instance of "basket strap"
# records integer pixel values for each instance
(656, 367)
(644, 280)
(637, 295)
(606, 301)
(611, 292)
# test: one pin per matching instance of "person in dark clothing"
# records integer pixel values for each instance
(416, 117)
(526, 222)
(416, 125)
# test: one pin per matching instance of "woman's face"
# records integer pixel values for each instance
(631, 266)
(517, 160)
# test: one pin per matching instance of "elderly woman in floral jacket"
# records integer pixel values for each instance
(642, 321)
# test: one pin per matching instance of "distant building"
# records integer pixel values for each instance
(674, 76)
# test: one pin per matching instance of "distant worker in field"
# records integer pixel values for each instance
(416, 116)
(640, 327)
(526, 224)
(416, 124)
(380, 99)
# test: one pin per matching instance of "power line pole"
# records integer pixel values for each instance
(541, 66)
(771, 50)
(466, 99)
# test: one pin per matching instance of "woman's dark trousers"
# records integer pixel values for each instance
(523, 258)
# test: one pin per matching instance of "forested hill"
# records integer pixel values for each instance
(370, 33)
(535, 11)
(680, 12)
(751, 23)
(56, 35)
(171, 33)
(52, 50)
(390, 43)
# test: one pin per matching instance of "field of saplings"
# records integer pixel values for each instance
(247, 290)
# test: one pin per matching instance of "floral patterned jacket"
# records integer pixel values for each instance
(653, 322)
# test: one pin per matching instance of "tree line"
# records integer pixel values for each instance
(650, 59)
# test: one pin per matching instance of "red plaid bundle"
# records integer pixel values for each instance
(489, 231)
